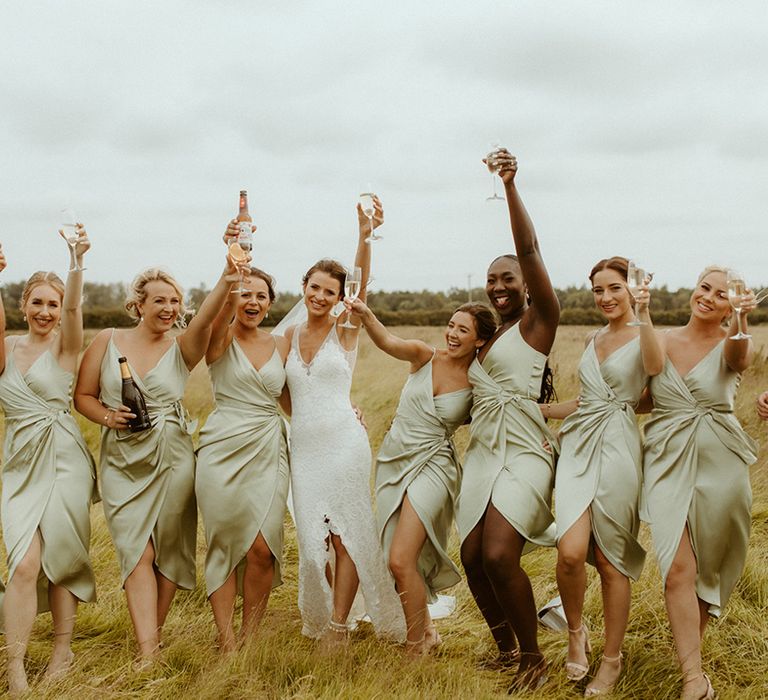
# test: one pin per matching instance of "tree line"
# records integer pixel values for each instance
(103, 305)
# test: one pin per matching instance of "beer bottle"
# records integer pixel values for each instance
(244, 218)
(133, 399)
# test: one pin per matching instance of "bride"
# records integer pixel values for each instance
(331, 463)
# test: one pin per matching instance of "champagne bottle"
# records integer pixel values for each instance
(134, 400)
(244, 218)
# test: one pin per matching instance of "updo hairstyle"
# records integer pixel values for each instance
(329, 267)
(39, 278)
(137, 293)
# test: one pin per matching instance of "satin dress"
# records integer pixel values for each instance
(148, 478)
(49, 477)
(417, 458)
(506, 463)
(242, 465)
(601, 457)
(696, 470)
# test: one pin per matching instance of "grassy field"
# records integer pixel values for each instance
(282, 664)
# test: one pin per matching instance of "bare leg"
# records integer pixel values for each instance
(223, 606)
(685, 617)
(257, 584)
(407, 542)
(502, 549)
(19, 610)
(704, 615)
(63, 610)
(482, 592)
(344, 591)
(141, 592)
(166, 590)
(346, 582)
(616, 601)
(572, 583)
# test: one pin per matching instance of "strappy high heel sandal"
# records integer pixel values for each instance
(709, 693)
(575, 671)
(593, 690)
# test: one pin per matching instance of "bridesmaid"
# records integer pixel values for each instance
(148, 477)
(696, 470)
(242, 462)
(417, 471)
(506, 490)
(600, 471)
(49, 478)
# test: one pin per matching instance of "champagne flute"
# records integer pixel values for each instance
(635, 280)
(493, 166)
(366, 204)
(736, 291)
(69, 228)
(352, 289)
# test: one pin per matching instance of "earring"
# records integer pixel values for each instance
(266, 315)
(25, 318)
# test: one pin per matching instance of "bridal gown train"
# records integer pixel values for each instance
(330, 483)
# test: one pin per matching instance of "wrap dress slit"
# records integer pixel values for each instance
(148, 477)
(49, 477)
(506, 464)
(242, 465)
(600, 465)
(696, 471)
(417, 458)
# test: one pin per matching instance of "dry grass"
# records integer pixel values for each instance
(281, 663)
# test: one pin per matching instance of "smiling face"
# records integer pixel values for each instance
(709, 301)
(461, 336)
(611, 294)
(161, 306)
(252, 304)
(321, 293)
(42, 309)
(505, 287)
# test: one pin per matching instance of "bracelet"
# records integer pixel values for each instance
(106, 419)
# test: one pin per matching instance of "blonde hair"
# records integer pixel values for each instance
(137, 293)
(39, 278)
(712, 268)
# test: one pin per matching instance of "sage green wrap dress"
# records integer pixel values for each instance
(506, 463)
(49, 477)
(600, 467)
(696, 470)
(242, 465)
(148, 478)
(417, 458)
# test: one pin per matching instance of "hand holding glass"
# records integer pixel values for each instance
(635, 280)
(238, 253)
(736, 291)
(493, 164)
(366, 204)
(69, 228)
(351, 290)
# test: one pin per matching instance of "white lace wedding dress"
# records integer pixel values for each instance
(330, 481)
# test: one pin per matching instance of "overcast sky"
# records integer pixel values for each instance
(640, 128)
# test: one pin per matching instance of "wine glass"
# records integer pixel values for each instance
(352, 289)
(736, 291)
(69, 228)
(239, 248)
(366, 204)
(493, 166)
(635, 280)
